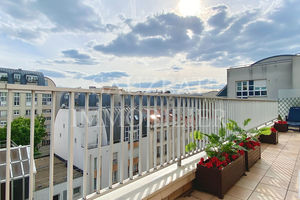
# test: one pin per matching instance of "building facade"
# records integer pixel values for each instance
(263, 79)
(21, 100)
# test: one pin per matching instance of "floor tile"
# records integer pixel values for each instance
(292, 196)
(239, 192)
(261, 196)
(271, 190)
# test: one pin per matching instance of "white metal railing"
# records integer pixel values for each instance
(178, 115)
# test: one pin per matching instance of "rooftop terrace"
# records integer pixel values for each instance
(274, 177)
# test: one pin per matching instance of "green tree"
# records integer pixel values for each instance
(20, 131)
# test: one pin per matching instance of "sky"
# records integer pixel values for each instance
(184, 46)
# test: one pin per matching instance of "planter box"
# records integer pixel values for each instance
(218, 182)
(270, 139)
(281, 127)
(252, 156)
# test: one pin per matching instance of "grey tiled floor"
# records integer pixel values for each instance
(275, 176)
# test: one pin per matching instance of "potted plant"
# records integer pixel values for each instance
(281, 125)
(223, 166)
(248, 140)
(272, 138)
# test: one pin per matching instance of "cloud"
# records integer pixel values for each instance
(157, 84)
(79, 58)
(176, 68)
(213, 87)
(161, 35)
(200, 83)
(106, 76)
(230, 38)
(33, 20)
(54, 74)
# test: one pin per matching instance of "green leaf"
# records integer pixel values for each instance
(222, 131)
(264, 131)
(246, 121)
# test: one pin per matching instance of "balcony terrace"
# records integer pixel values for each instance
(274, 177)
(109, 170)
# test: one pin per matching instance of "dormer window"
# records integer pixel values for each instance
(32, 78)
(17, 77)
(3, 76)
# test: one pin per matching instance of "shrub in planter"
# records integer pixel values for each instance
(248, 140)
(224, 165)
(281, 126)
(272, 138)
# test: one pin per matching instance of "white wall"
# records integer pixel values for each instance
(58, 189)
(296, 72)
(277, 73)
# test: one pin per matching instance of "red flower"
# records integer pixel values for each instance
(234, 157)
(225, 163)
(209, 164)
(242, 144)
(220, 168)
(273, 130)
(241, 152)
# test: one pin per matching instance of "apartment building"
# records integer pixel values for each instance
(22, 100)
(264, 78)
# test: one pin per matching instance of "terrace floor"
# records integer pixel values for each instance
(274, 177)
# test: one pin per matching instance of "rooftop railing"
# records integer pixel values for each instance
(178, 115)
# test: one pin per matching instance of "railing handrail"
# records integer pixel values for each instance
(117, 92)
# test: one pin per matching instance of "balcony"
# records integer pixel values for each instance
(179, 115)
(275, 176)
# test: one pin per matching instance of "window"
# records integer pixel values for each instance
(2, 123)
(165, 149)
(17, 99)
(76, 191)
(251, 88)
(158, 152)
(46, 99)
(27, 112)
(115, 176)
(16, 112)
(17, 77)
(3, 98)
(158, 137)
(46, 111)
(3, 76)
(165, 135)
(3, 113)
(28, 99)
(48, 118)
(32, 78)
(115, 158)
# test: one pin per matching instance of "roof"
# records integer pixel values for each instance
(285, 56)
(23, 73)
(19, 162)
(59, 176)
(223, 92)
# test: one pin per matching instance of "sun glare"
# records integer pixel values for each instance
(189, 7)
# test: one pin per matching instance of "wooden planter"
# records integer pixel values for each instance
(251, 156)
(281, 127)
(218, 182)
(270, 139)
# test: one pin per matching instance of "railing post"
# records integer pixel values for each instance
(178, 131)
(122, 139)
(51, 161)
(140, 132)
(131, 136)
(99, 145)
(111, 140)
(155, 133)
(173, 128)
(168, 128)
(148, 133)
(32, 115)
(161, 130)
(86, 131)
(8, 144)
